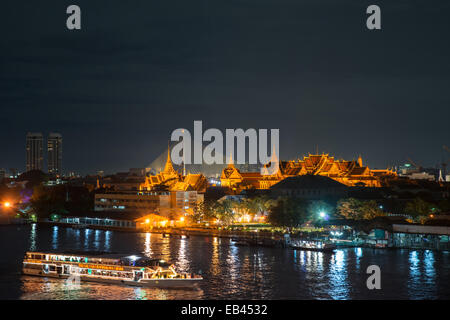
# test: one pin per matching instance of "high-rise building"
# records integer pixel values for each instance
(34, 151)
(54, 149)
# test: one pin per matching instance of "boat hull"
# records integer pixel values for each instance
(314, 249)
(150, 283)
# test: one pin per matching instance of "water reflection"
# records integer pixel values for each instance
(430, 272)
(422, 275)
(165, 248)
(148, 244)
(33, 237)
(358, 256)
(414, 271)
(107, 244)
(97, 239)
(55, 238)
(233, 262)
(140, 294)
(86, 238)
(183, 262)
(339, 287)
(37, 288)
(215, 263)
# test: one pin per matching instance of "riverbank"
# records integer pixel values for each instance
(277, 239)
(178, 231)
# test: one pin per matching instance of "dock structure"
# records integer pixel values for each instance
(410, 236)
(421, 237)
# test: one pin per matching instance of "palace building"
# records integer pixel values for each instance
(350, 173)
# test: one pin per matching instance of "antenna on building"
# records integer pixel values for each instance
(440, 179)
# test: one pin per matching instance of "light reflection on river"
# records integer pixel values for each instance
(230, 272)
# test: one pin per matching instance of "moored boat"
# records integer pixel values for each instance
(133, 270)
(313, 246)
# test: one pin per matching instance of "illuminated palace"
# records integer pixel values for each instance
(350, 173)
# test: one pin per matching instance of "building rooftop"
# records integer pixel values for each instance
(308, 182)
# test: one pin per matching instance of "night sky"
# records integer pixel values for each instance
(137, 70)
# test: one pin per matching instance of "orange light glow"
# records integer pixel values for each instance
(7, 204)
(181, 219)
(147, 221)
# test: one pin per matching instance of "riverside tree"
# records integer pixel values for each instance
(355, 209)
(288, 212)
(420, 210)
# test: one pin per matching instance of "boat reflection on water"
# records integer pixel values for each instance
(42, 288)
(313, 246)
(132, 270)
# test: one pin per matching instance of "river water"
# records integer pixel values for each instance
(229, 271)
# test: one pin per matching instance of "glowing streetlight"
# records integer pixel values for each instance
(147, 221)
(322, 214)
(7, 204)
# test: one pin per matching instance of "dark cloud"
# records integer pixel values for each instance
(136, 71)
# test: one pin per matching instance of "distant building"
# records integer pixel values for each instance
(131, 201)
(13, 172)
(2, 174)
(421, 176)
(163, 202)
(34, 151)
(407, 169)
(54, 152)
(139, 172)
(311, 187)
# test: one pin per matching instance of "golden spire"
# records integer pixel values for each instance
(360, 163)
(231, 162)
(168, 168)
(274, 157)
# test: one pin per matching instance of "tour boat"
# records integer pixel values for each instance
(133, 270)
(313, 246)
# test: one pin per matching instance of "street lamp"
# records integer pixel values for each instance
(322, 214)
(7, 204)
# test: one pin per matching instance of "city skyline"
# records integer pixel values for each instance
(53, 158)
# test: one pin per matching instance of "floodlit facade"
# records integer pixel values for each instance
(54, 153)
(349, 173)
